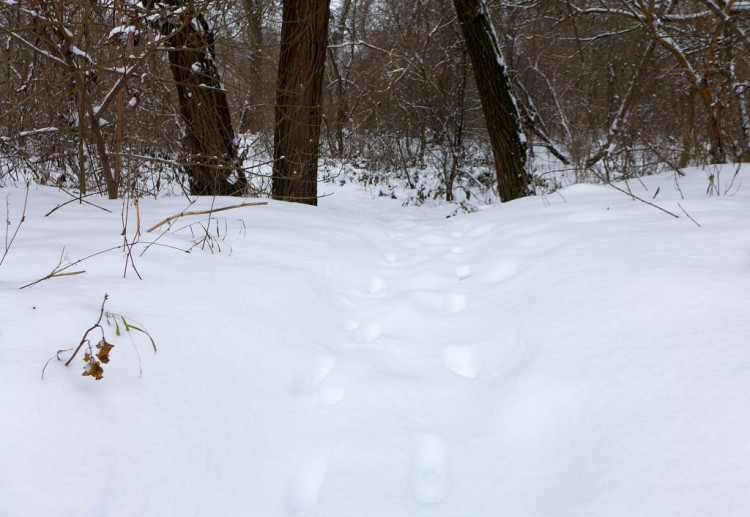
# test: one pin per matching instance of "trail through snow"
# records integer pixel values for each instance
(576, 355)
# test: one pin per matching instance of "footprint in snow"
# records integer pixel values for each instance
(462, 271)
(363, 333)
(432, 239)
(308, 381)
(451, 302)
(375, 285)
(455, 302)
(482, 229)
(368, 332)
(453, 253)
(429, 469)
(305, 487)
(461, 361)
(501, 271)
(391, 258)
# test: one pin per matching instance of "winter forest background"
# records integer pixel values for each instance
(605, 90)
(522, 291)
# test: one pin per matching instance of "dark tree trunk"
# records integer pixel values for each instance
(252, 118)
(713, 111)
(339, 71)
(498, 104)
(209, 147)
(299, 93)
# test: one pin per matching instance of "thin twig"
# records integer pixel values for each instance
(734, 177)
(57, 271)
(76, 198)
(128, 245)
(94, 326)
(9, 243)
(689, 217)
(643, 201)
(57, 355)
(631, 195)
(203, 212)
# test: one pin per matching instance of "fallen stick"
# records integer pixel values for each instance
(202, 212)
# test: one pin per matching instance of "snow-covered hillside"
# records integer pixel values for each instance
(580, 354)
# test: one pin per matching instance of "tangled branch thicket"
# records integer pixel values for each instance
(605, 88)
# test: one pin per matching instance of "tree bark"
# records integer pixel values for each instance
(252, 118)
(339, 71)
(209, 146)
(498, 105)
(299, 93)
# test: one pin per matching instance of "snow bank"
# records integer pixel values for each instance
(579, 354)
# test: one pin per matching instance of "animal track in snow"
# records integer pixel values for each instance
(502, 271)
(433, 239)
(455, 302)
(351, 325)
(308, 381)
(305, 487)
(457, 250)
(364, 333)
(429, 469)
(427, 280)
(375, 285)
(461, 361)
(451, 302)
(391, 258)
(482, 229)
(462, 271)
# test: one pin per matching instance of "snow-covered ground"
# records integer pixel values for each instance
(580, 354)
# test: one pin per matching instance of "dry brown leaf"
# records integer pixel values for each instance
(94, 369)
(104, 348)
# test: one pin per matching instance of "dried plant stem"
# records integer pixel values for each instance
(96, 325)
(128, 245)
(58, 270)
(631, 195)
(203, 212)
(78, 198)
(9, 242)
(689, 216)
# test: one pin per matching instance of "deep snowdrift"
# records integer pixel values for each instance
(578, 354)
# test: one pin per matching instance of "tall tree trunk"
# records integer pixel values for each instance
(742, 105)
(715, 139)
(688, 130)
(299, 94)
(498, 105)
(252, 118)
(209, 146)
(339, 70)
(456, 139)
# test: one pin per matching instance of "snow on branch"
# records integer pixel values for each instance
(40, 51)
